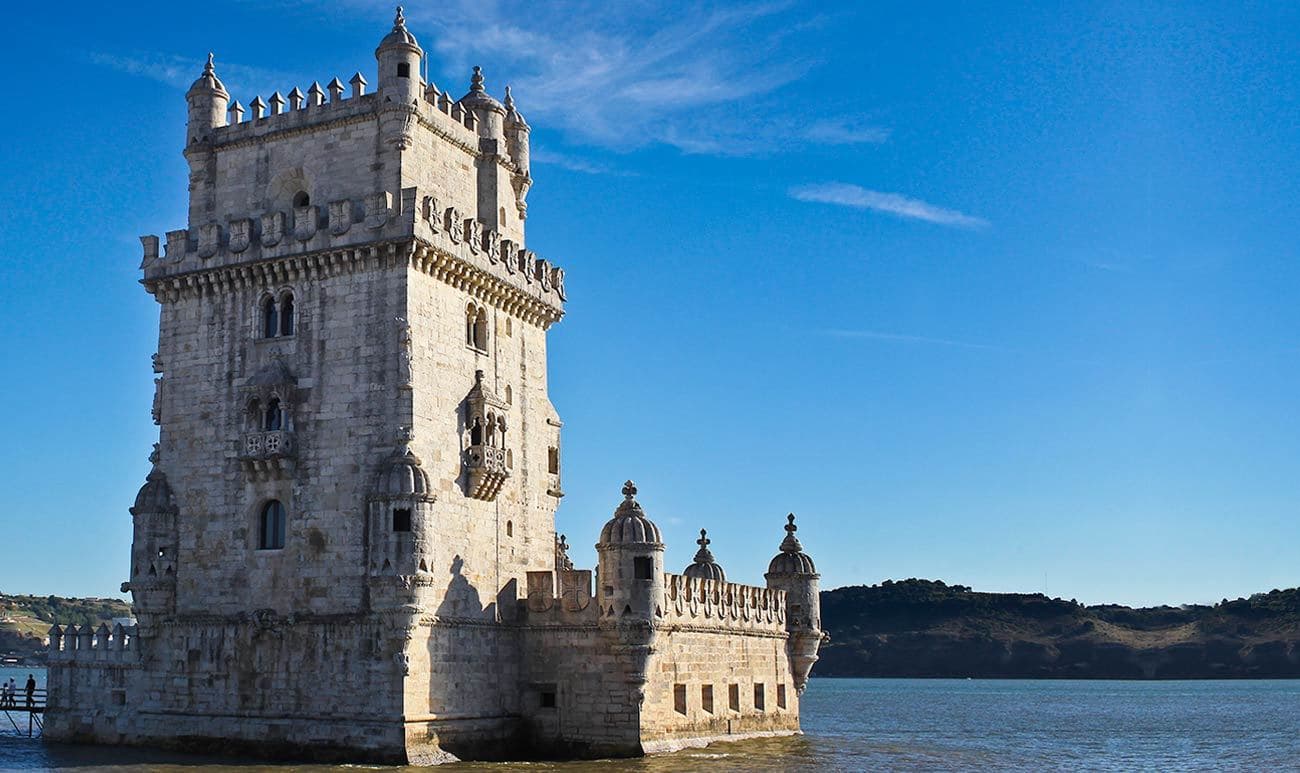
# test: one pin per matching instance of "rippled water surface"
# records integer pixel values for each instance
(873, 724)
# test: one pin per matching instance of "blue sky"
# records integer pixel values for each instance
(1004, 296)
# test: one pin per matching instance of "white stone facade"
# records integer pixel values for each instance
(347, 548)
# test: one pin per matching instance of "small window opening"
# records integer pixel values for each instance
(301, 199)
(510, 528)
(286, 315)
(401, 519)
(548, 699)
(509, 330)
(780, 696)
(270, 318)
(510, 458)
(706, 698)
(510, 396)
(679, 699)
(553, 460)
(476, 433)
(733, 697)
(760, 697)
(502, 221)
(273, 419)
(403, 70)
(481, 331)
(271, 531)
(643, 568)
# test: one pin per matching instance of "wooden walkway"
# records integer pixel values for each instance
(21, 711)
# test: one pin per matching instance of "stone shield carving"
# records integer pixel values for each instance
(272, 228)
(240, 234)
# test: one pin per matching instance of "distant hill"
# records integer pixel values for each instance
(924, 628)
(25, 620)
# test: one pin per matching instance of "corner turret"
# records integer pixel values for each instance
(399, 56)
(152, 582)
(207, 99)
(489, 112)
(631, 561)
(793, 571)
(517, 132)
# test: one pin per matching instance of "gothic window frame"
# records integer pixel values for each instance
(288, 314)
(476, 327)
(277, 314)
(272, 525)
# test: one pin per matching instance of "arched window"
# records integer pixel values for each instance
(301, 199)
(286, 314)
(476, 433)
(510, 528)
(271, 527)
(273, 418)
(501, 431)
(270, 318)
(481, 331)
(254, 414)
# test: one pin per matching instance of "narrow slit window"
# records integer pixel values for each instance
(679, 699)
(270, 318)
(760, 697)
(780, 696)
(553, 460)
(286, 315)
(706, 698)
(733, 697)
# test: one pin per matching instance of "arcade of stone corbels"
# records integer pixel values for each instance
(346, 547)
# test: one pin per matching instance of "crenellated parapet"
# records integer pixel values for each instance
(93, 645)
(436, 237)
(700, 603)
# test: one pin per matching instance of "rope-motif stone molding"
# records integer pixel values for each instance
(724, 630)
(694, 600)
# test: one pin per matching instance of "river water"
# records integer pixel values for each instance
(906, 724)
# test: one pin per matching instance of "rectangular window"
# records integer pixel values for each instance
(403, 70)
(733, 697)
(548, 699)
(643, 568)
(759, 697)
(706, 698)
(553, 460)
(780, 696)
(401, 519)
(679, 699)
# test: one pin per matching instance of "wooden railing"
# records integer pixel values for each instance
(23, 705)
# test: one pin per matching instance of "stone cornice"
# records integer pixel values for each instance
(463, 275)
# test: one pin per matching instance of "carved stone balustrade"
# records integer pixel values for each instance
(486, 466)
(268, 453)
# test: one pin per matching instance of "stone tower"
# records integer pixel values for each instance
(346, 545)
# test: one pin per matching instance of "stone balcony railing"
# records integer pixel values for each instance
(487, 470)
(268, 453)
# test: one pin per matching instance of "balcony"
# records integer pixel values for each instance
(268, 454)
(487, 471)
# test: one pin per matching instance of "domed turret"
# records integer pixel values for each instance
(155, 495)
(517, 131)
(793, 572)
(152, 579)
(631, 562)
(207, 99)
(791, 559)
(404, 478)
(490, 113)
(704, 567)
(399, 57)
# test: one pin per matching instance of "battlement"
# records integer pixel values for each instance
(94, 645)
(693, 601)
(453, 247)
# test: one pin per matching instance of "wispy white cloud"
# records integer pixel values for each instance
(847, 195)
(542, 155)
(180, 72)
(879, 335)
(845, 131)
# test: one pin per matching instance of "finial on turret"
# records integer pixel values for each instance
(478, 377)
(791, 543)
(629, 490)
(209, 68)
(476, 80)
(704, 540)
(510, 100)
(400, 19)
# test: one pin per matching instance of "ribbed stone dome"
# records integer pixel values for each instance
(404, 478)
(791, 559)
(478, 98)
(704, 567)
(400, 36)
(208, 82)
(155, 495)
(630, 526)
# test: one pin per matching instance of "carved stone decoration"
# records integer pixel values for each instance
(304, 223)
(272, 228)
(485, 450)
(492, 246)
(562, 561)
(431, 213)
(455, 225)
(157, 401)
(473, 234)
(209, 240)
(240, 234)
(377, 209)
(527, 260)
(508, 256)
(543, 269)
(177, 244)
(157, 362)
(405, 375)
(340, 216)
(557, 279)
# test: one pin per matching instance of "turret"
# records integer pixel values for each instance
(399, 57)
(631, 563)
(152, 582)
(793, 572)
(490, 113)
(705, 567)
(517, 132)
(207, 99)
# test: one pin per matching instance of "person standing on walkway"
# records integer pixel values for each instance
(31, 689)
